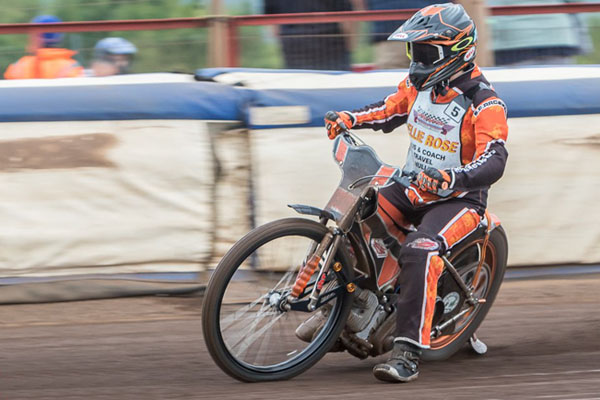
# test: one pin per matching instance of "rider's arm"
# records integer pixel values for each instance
(491, 131)
(389, 113)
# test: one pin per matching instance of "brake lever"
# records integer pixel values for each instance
(405, 179)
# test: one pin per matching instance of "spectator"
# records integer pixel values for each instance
(392, 54)
(313, 46)
(113, 56)
(47, 60)
(537, 39)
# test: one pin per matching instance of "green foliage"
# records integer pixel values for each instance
(364, 52)
(181, 50)
(594, 30)
(259, 48)
(12, 46)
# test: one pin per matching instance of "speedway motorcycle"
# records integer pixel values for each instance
(293, 289)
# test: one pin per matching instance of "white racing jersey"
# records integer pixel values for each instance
(462, 131)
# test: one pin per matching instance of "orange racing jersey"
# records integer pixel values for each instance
(463, 131)
(46, 63)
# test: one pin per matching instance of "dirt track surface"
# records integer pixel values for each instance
(543, 338)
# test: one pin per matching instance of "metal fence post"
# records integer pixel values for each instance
(479, 12)
(233, 48)
(218, 43)
(217, 36)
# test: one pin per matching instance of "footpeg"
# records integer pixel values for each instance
(477, 345)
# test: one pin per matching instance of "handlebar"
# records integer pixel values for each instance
(405, 179)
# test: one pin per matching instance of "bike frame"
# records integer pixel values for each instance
(354, 200)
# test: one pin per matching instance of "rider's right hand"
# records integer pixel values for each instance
(336, 122)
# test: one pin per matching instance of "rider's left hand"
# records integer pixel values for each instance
(432, 179)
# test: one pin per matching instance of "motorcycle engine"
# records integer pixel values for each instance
(376, 334)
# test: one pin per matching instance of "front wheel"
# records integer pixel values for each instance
(247, 331)
(468, 318)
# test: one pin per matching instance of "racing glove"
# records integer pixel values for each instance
(431, 180)
(336, 122)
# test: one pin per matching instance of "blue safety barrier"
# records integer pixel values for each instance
(193, 100)
(560, 95)
(215, 101)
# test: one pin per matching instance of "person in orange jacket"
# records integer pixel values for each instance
(47, 61)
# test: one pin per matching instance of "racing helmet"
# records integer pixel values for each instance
(440, 40)
(113, 45)
(116, 51)
(48, 39)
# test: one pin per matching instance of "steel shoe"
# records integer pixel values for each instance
(307, 330)
(364, 306)
(403, 365)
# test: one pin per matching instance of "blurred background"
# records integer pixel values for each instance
(532, 38)
(209, 118)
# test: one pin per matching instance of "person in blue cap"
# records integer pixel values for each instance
(47, 60)
(113, 56)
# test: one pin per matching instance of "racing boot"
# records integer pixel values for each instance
(403, 365)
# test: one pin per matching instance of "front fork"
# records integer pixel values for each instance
(332, 241)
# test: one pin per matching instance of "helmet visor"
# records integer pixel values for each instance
(427, 54)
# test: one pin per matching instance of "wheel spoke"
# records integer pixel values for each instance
(259, 316)
(262, 350)
(245, 344)
(287, 277)
(235, 317)
(255, 334)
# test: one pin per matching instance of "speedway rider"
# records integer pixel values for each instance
(457, 126)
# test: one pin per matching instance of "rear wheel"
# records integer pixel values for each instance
(247, 329)
(453, 303)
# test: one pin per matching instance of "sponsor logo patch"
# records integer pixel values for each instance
(470, 54)
(450, 302)
(379, 248)
(400, 35)
(487, 104)
(462, 44)
(424, 244)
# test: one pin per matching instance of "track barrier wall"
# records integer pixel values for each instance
(545, 198)
(160, 173)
